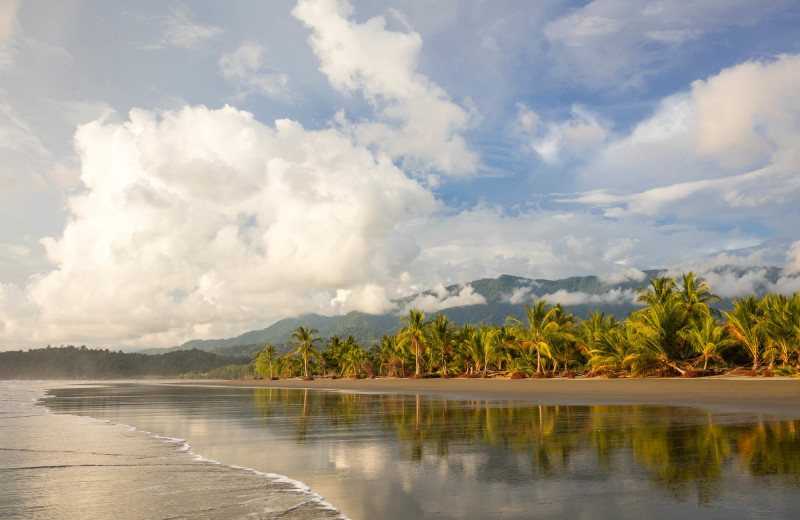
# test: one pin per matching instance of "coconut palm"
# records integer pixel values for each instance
(782, 325)
(393, 356)
(696, 295)
(563, 347)
(441, 337)
(709, 340)
(413, 334)
(660, 290)
(462, 349)
(332, 353)
(610, 346)
(266, 355)
(658, 340)
(304, 339)
(541, 332)
(745, 325)
(353, 356)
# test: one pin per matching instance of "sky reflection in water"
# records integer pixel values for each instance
(393, 456)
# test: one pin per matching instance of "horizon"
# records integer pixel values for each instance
(441, 303)
(179, 170)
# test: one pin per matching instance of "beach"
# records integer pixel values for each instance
(398, 448)
(729, 393)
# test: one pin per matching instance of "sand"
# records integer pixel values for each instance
(774, 395)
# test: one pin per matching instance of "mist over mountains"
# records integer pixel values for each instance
(491, 300)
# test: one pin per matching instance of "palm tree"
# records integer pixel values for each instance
(305, 341)
(563, 347)
(269, 352)
(462, 348)
(609, 345)
(541, 332)
(332, 353)
(696, 295)
(352, 357)
(441, 337)
(782, 324)
(492, 342)
(746, 326)
(413, 333)
(393, 356)
(660, 290)
(658, 340)
(709, 340)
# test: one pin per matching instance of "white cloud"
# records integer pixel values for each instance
(370, 298)
(623, 275)
(242, 67)
(567, 298)
(203, 222)
(418, 122)
(577, 136)
(443, 299)
(728, 148)
(520, 295)
(181, 31)
(793, 258)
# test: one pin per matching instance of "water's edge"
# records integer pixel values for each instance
(43, 391)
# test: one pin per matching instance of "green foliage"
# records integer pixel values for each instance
(82, 363)
(675, 331)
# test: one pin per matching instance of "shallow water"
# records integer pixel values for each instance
(67, 467)
(391, 456)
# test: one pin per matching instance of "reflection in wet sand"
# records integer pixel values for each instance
(391, 456)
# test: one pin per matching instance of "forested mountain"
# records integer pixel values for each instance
(504, 296)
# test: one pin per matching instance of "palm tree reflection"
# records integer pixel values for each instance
(680, 450)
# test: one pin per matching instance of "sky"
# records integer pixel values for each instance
(181, 170)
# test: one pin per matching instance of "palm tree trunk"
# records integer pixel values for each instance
(416, 355)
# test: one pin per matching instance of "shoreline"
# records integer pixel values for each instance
(728, 394)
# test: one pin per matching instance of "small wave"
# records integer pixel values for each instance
(182, 445)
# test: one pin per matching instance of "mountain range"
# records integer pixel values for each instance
(489, 301)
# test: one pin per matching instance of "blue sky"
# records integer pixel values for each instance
(175, 170)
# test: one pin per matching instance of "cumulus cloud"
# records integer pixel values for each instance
(727, 149)
(418, 123)
(370, 298)
(203, 222)
(243, 68)
(443, 299)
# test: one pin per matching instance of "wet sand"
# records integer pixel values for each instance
(70, 467)
(775, 395)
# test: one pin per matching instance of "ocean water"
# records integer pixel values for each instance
(66, 467)
(374, 456)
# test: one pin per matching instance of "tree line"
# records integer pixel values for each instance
(72, 362)
(677, 332)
